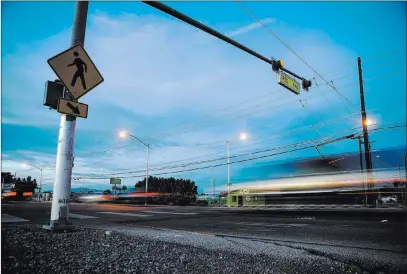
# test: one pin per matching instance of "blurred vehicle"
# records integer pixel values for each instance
(94, 198)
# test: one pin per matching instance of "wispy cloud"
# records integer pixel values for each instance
(159, 73)
(250, 27)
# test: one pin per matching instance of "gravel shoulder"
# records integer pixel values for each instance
(27, 248)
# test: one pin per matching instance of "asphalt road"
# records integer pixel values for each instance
(373, 241)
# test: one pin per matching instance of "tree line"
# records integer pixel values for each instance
(175, 191)
(18, 185)
(169, 185)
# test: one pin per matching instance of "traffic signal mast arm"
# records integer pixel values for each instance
(170, 11)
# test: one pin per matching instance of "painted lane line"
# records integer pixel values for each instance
(78, 216)
(125, 214)
(5, 218)
(175, 213)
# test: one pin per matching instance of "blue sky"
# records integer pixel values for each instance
(177, 87)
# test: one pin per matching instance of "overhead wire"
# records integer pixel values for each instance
(240, 114)
(235, 111)
(275, 136)
(324, 142)
(290, 49)
(365, 60)
(112, 148)
(206, 167)
(266, 150)
(381, 55)
(367, 79)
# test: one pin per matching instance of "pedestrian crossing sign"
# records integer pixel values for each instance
(76, 71)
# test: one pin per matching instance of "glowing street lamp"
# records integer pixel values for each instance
(369, 122)
(124, 134)
(242, 136)
(40, 169)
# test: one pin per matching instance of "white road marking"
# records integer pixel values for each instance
(263, 225)
(125, 214)
(5, 218)
(78, 216)
(175, 213)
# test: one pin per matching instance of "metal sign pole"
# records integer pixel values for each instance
(66, 140)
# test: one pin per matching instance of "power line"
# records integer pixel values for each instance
(237, 106)
(380, 55)
(111, 148)
(267, 150)
(239, 110)
(276, 136)
(384, 65)
(233, 116)
(238, 161)
(365, 59)
(240, 114)
(209, 122)
(290, 49)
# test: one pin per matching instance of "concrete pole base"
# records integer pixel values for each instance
(56, 227)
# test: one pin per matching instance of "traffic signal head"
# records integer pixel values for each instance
(306, 84)
(277, 64)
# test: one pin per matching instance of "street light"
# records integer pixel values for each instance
(369, 122)
(241, 136)
(124, 134)
(40, 169)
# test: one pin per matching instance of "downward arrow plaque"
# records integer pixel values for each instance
(72, 108)
(75, 109)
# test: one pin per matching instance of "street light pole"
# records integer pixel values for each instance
(124, 134)
(148, 157)
(39, 190)
(242, 136)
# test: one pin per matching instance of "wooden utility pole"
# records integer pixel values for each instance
(368, 156)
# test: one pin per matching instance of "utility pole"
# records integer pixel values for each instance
(368, 156)
(66, 139)
(360, 142)
(148, 157)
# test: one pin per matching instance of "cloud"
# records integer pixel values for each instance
(160, 73)
(251, 27)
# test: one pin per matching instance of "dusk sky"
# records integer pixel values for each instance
(186, 92)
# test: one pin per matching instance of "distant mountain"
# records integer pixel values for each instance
(85, 190)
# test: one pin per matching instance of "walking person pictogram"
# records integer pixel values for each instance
(80, 68)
